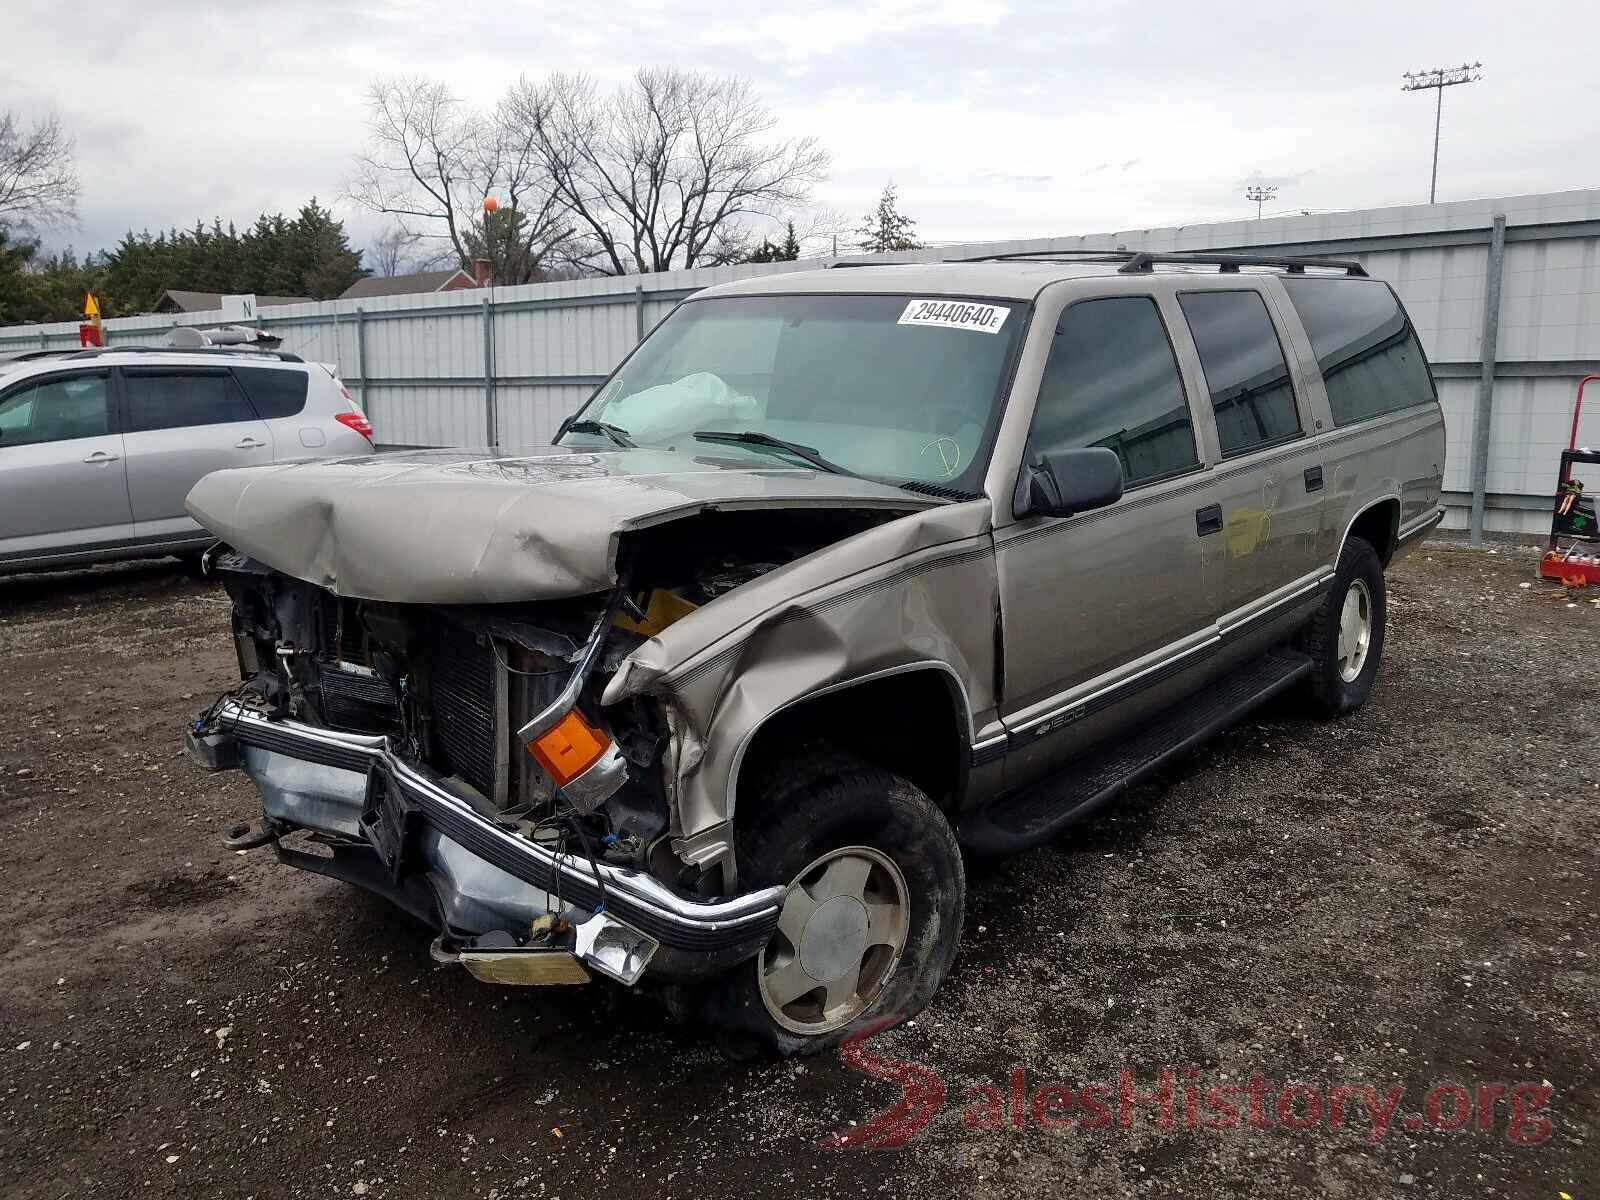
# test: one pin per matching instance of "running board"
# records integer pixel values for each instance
(1040, 812)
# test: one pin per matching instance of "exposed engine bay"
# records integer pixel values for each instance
(459, 690)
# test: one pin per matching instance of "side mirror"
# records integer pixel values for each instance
(1059, 483)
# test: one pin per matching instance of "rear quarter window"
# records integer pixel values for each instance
(274, 392)
(1370, 358)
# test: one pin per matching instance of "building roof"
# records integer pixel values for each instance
(405, 285)
(177, 300)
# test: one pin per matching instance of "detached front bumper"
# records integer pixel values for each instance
(478, 876)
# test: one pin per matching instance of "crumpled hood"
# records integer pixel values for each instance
(466, 526)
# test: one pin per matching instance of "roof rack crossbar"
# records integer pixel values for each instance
(1144, 261)
(1138, 262)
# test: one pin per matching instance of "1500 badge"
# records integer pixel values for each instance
(955, 314)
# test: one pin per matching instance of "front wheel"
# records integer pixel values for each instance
(871, 915)
(1345, 638)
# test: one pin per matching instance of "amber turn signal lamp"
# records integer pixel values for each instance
(569, 748)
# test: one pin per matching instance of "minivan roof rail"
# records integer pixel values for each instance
(31, 355)
(1139, 262)
(225, 351)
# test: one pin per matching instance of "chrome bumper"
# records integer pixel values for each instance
(723, 931)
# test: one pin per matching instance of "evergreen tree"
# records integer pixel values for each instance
(264, 269)
(502, 237)
(308, 255)
(885, 228)
(321, 262)
(14, 256)
(785, 251)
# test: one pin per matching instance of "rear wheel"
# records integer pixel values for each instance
(1345, 638)
(871, 915)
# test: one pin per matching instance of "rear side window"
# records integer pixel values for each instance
(1370, 359)
(55, 409)
(1245, 369)
(1112, 381)
(175, 399)
(274, 392)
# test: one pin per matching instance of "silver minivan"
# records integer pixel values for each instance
(99, 448)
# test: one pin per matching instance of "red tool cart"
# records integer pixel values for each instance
(1574, 519)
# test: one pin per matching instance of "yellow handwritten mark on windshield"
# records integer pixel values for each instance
(949, 454)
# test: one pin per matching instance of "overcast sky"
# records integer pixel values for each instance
(995, 119)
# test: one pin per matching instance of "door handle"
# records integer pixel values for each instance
(100, 456)
(248, 443)
(1313, 479)
(1208, 519)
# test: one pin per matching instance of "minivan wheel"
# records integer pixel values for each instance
(871, 915)
(1345, 638)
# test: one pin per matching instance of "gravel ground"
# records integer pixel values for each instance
(1406, 897)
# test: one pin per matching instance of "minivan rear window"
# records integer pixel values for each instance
(274, 392)
(1370, 359)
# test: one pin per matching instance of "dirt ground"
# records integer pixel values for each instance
(1405, 897)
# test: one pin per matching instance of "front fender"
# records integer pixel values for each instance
(917, 593)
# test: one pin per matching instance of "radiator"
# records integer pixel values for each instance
(468, 708)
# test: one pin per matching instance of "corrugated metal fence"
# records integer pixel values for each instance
(502, 366)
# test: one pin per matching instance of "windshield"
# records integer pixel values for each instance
(894, 387)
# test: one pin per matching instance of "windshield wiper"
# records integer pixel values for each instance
(752, 437)
(616, 433)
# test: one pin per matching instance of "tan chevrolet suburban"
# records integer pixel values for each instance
(842, 574)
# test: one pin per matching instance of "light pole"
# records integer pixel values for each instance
(1439, 78)
(1260, 194)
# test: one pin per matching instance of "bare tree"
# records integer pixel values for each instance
(421, 142)
(38, 182)
(821, 231)
(392, 251)
(431, 161)
(668, 170)
(530, 232)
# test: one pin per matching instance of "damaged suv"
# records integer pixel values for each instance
(840, 574)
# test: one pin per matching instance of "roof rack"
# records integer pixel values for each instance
(225, 351)
(1050, 255)
(30, 355)
(1140, 262)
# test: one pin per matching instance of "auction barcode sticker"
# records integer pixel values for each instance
(955, 314)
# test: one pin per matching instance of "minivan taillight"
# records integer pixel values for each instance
(356, 421)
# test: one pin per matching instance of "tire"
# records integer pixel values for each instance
(814, 819)
(1341, 679)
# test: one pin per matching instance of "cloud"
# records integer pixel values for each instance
(995, 119)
